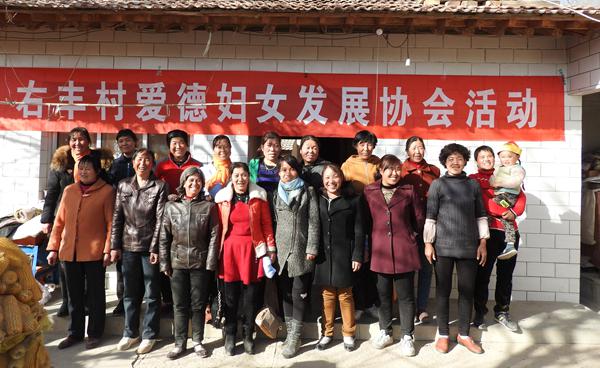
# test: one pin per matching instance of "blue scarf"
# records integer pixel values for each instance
(288, 191)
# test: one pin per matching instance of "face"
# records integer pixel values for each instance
(222, 149)
(240, 179)
(78, 143)
(364, 150)
(331, 181)
(193, 185)
(126, 145)
(87, 174)
(455, 163)
(485, 160)
(416, 151)
(390, 175)
(287, 173)
(142, 165)
(309, 151)
(271, 149)
(178, 148)
(508, 158)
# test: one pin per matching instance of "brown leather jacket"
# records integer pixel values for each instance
(137, 216)
(189, 236)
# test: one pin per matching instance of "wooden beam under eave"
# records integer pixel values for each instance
(440, 26)
(469, 29)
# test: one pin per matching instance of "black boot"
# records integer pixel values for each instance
(249, 345)
(229, 344)
(291, 349)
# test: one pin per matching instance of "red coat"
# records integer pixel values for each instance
(170, 172)
(492, 208)
(395, 226)
(261, 226)
(419, 175)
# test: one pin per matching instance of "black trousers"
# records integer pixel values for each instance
(85, 286)
(364, 287)
(165, 289)
(466, 271)
(236, 293)
(504, 272)
(404, 283)
(190, 297)
(294, 291)
(120, 282)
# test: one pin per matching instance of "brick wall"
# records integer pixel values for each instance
(583, 55)
(548, 267)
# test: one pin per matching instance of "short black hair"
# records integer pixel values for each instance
(92, 160)
(292, 161)
(143, 150)
(364, 136)
(220, 137)
(482, 148)
(453, 148)
(411, 140)
(309, 137)
(178, 133)
(127, 133)
(239, 165)
(80, 130)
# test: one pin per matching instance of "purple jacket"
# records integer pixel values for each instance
(394, 229)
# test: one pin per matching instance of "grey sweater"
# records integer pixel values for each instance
(454, 202)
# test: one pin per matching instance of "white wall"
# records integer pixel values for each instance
(548, 266)
(584, 64)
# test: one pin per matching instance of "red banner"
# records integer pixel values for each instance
(293, 104)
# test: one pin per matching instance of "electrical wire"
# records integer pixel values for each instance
(578, 12)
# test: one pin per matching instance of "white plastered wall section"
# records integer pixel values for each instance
(583, 56)
(548, 267)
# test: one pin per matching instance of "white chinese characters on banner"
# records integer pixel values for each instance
(484, 115)
(523, 109)
(153, 96)
(192, 102)
(439, 112)
(227, 102)
(116, 101)
(31, 105)
(355, 105)
(395, 107)
(270, 104)
(72, 98)
(311, 111)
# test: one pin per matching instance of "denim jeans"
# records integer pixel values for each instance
(405, 288)
(141, 280)
(190, 297)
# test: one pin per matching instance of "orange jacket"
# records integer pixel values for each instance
(82, 226)
(360, 173)
(261, 226)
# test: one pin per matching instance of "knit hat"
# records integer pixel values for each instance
(192, 170)
(511, 146)
(177, 133)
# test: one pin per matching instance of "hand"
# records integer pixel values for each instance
(106, 262)
(482, 252)
(273, 257)
(169, 272)
(508, 215)
(355, 266)
(115, 255)
(46, 228)
(429, 253)
(52, 257)
(310, 257)
(153, 258)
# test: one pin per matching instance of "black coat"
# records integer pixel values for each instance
(342, 240)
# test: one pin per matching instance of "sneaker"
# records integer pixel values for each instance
(508, 252)
(349, 343)
(127, 342)
(407, 346)
(422, 317)
(468, 343)
(176, 352)
(382, 340)
(503, 318)
(373, 311)
(200, 350)
(358, 314)
(145, 346)
(479, 322)
(323, 342)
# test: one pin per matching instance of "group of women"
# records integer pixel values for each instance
(361, 232)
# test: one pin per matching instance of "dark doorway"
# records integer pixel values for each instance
(335, 150)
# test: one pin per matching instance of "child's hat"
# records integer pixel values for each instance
(512, 147)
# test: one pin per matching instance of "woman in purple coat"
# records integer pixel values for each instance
(397, 217)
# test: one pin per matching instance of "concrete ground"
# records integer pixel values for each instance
(552, 335)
